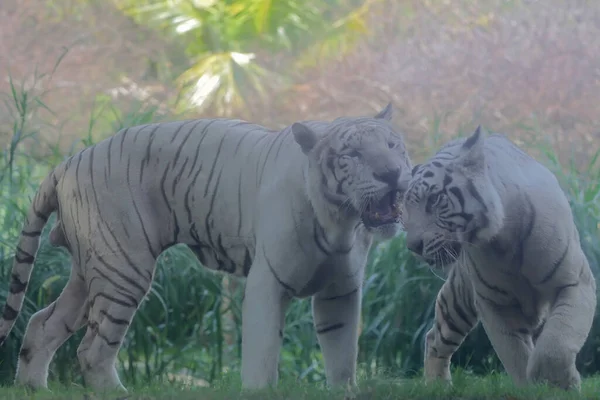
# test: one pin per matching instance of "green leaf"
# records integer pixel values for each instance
(263, 15)
(340, 38)
(48, 282)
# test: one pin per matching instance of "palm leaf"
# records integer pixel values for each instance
(340, 38)
(262, 15)
(180, 17)
(224, 80)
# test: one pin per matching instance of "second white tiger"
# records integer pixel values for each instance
(500, 221)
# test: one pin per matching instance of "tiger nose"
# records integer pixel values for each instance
(390, 176)
(403, 184)
(416, 246)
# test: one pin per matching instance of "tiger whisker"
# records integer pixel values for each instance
(364, 201)
(346, 205)
(434, 271)
(463, 242)
(451, 253)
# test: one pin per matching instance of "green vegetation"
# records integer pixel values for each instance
(465, 387)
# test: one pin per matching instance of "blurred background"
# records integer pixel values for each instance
(73, 72)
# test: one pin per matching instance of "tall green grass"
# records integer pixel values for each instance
(190, 324)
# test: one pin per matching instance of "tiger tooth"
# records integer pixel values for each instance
(377, 216)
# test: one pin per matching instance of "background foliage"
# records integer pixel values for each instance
(227, 41)
(236, 58)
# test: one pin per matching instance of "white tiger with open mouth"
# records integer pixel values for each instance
(293, 211)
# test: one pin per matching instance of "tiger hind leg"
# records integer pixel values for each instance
(115, 294)
(48, 329)
(455, 317)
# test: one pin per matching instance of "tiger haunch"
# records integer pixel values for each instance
(294, 211)
(500, 221)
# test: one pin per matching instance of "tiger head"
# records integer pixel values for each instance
(358, 168)
(451, 201)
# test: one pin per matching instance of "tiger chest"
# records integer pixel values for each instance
(337, 270)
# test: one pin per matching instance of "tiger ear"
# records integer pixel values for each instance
(472, 149)
(304, 136)
(386, 113)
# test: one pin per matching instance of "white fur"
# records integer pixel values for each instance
(521, 270)
(179, 182)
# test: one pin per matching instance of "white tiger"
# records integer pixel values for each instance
(286, 209)
(519, 264)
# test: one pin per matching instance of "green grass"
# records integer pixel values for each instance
(495, 386)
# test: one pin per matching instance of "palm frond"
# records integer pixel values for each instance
(226, 81)
(339, 38)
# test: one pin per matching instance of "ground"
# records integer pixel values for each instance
(495, 386)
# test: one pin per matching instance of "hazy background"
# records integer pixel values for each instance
(513, 66)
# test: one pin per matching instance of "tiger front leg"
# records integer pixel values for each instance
(511, 341)
(336, 320)
(263, 312)
(455, 317)
(563, 336)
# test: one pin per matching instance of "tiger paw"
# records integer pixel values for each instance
(437, 369)
(554, 371)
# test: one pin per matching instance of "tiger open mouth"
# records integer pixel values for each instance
(385, 210)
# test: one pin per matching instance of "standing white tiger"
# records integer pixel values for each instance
(520, 269)
(286, 209)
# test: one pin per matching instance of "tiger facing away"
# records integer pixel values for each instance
(294, 211)
(501, 223)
